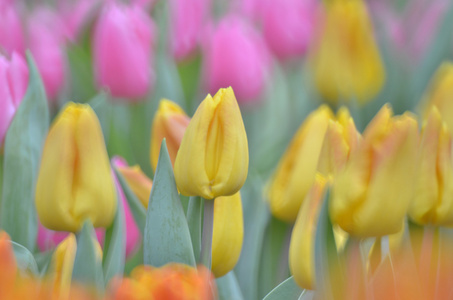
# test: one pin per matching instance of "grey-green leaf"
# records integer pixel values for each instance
(195, 220)
(167, 237)
(228, 287)
(288, 289)
(115, 245)
(87, 264)
(22, 153)
(24, 258)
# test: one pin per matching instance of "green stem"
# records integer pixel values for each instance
(206, 237)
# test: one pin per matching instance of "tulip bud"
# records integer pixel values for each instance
(302, 245)
(122, 43)
(62, 265)
(187, 20)
(433, 198)
(371, 195)
(289, 26)
(440, 93)
(13, 85)
(346, 60)
(46, 42)
(170, 122)
(227, 234)
(139, 183)
(236, 55)
(213, 158)
(74, 180)
(296, 171)
(11, 30)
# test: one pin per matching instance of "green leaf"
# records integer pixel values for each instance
(329, 274)
(101, 107)
(88, 264)
(287, 290)
(228, 287)
(194, 221)
(136, 207)
(256, 216)
(23, 146)
(167, 237)
(115, 245)
(24, 258)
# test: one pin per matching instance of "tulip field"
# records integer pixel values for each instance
(231, 150)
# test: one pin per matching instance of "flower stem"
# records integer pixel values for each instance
(206, 237)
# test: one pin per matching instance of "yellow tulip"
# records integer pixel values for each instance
(440, 94)
(170, 122)
(346, 61)
(139, 183)
(296, 171)
(301, 249)
(227, 234)
(371, 195)
(341, 141)
(75, 182)
(433, 201)
(213, 158)
(62, 266)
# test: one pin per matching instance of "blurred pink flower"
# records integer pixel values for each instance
(46, 43)
(13, 85)
(122, 51)
(75, 15)
(48, 239)
(187, 19)
(11, 30)
(236, 55)
(289, 25)
(132, 232)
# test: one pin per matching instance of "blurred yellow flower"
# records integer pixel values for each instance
(346, 60)
(296, 171)
(433, 199)
(227, 234)
(170, 122)
(139, 183)
(213, 158)
(62, 265)
(371, 195)
(74, 182)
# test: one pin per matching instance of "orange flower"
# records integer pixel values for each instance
(172, 281)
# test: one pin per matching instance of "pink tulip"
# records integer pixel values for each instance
(289, 26)
(75, 15)
(132, 232)
(236, 55)
(13, 85)
(187, 19)
(46, 42)
(122, 44)
(48, 239)
(11, 31)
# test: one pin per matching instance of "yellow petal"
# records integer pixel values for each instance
(62, 266)
(228, 234)
(139, 183)
(170, 122)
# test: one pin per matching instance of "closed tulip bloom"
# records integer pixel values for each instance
(13, 85)
(213, 158)
(139, 183)
(289, 26)
(440, 93)
(296, 171)
(62, 265)
(46, 43)
(346, 61)
(227, 234)
(433, 199)
(371, 195)
(122, 49)
(170, 122)
(236, 55)
(11, 29)
(302, 245)
(74, 181)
